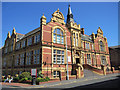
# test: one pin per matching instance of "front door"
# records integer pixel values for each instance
(77, 60)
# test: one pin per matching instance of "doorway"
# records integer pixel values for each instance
(77, 60)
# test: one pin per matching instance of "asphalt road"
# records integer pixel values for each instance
(91, 82)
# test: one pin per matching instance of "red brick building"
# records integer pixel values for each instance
(52, 45)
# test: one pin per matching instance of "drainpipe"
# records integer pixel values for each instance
(67, 58)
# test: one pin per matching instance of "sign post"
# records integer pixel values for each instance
(34, 75)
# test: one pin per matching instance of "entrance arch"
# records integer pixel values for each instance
(79, 67)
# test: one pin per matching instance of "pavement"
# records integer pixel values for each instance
(65, 83)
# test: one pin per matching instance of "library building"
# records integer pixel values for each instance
(59, 49)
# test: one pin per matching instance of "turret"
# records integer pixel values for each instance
(69, 15)
(70, 21)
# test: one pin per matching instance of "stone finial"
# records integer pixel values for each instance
(58, 10)
(43, 20)
(14, 31)
(43, 17)
(8, 35)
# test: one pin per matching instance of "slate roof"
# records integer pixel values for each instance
(86, 38)
(19, 36)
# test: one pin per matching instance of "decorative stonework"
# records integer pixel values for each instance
(43, 20)
(74, 25)
(58, 17)
(99, 32)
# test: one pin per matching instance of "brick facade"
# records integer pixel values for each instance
(47, 51)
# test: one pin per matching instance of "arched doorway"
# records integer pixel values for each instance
(78, 66)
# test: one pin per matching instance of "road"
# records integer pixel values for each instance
(109, 81)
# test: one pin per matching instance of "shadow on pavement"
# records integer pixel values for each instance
(115, 83)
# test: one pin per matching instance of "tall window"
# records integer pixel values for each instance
(77, 39)
(56, 74)
(29, 58)
(87, 46)
(58, 36)
(22, 59)
(103, 60)
(36, 56)
(17, 45)
(17, 60)
(88, 59)
(37, 38)
(74, 38)
(58, 57)
(4, 62)
(101, 46)
(23, 43)
(29, 41)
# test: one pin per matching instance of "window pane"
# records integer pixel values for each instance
(54, 59)
(62, 52)
(34, 59)
(54, 73)
(74, 41)
(54, 31)
(61, 32)
(38, 38)
(58, 59)
(54, 38)
(38, 58)
(57, 73)
(58, 31)
(58, 38)
(38, 51)
(54, 51)
(62, 59)
(58, 52)
(77, 41)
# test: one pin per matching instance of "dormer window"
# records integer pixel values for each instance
(58, 36)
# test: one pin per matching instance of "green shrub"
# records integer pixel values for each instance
(23, 79)
(16, 79)
(47, 79)
(40, 79)
(30, 78)
(25, 75)
(40, 74)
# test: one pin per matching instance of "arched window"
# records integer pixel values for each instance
(58, 36)
(101, 46)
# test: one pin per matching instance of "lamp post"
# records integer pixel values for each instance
(67, 58)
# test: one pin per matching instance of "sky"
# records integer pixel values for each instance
(25, 17)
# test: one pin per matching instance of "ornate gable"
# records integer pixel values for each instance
(58, 17)
(99, 32)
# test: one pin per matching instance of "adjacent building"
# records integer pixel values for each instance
(114, 56)
(53, 47)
